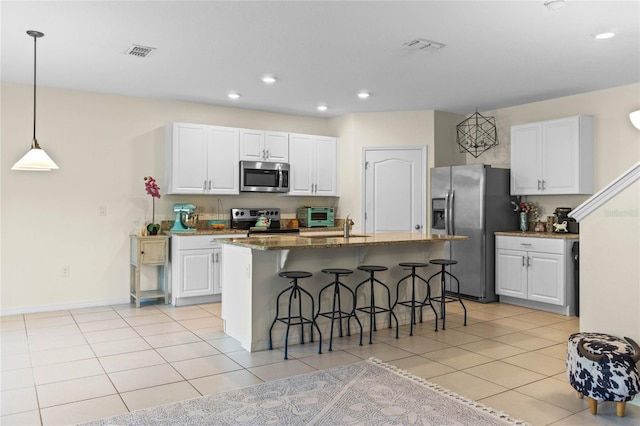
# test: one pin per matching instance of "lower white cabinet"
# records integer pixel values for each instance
(535, 272)
(196, 262)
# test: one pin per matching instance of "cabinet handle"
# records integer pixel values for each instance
(538, 184)
(525, 244)
(268, 155)
(528, 261)
(204, 185)
(209, 184)
(523, 262)
(543, 184)
(141, 252)
(264, 156)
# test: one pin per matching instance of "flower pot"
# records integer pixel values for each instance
(153, 228)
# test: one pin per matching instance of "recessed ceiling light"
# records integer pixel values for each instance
(554, 5)
(604, 35)
(233, 95)
(322, 107)
(363, 94)
(268, 78)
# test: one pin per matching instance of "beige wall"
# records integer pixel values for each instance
(446, 149)
(104, 146)
(610, 266)
(382, 129)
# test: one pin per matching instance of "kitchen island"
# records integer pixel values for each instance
(250, 268)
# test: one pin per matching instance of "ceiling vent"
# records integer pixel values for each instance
(422, 44)
(139, 51)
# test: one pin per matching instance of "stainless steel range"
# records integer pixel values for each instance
(247, 219)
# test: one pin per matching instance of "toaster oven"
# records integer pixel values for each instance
(310, 217)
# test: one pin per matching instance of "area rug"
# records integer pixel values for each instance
(366, 393)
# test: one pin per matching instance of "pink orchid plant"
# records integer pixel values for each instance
(152, 189)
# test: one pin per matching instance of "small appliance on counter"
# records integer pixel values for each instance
(259, 221)
(310, 217)
(571, 226)
(185, 219)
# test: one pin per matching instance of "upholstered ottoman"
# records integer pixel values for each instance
(603, 368)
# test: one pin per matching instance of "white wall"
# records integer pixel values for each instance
(104, 146)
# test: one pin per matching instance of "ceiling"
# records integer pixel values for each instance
(496, 53)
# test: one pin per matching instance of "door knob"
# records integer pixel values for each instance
(418, 226)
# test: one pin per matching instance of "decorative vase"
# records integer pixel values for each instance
(153, 228)
(523, 221)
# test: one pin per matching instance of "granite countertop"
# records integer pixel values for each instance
(225, 231)
(307, 240)
(558, 235)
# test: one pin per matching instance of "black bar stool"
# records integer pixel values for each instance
(338, 314)
(443, 299)
(413, 304)
(372, 309)
(299, 319)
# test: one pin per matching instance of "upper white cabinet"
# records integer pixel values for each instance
(313, 162)
(201, 159)
(258, 145)
(552, 157)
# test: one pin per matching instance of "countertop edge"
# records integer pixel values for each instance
(529, 234)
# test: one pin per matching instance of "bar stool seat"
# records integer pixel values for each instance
(413, 304)
(372, 309)
(296, 292)
(336, 312)
(443, 299)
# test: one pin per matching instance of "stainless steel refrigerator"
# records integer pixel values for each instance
(472, 200)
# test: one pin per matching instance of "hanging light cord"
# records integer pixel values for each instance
(35, 35)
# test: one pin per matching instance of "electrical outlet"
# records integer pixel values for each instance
(65, 271)
(102, 210)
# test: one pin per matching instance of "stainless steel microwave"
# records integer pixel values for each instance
(263, 176)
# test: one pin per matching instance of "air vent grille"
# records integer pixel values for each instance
(422, 44)
(139, 51)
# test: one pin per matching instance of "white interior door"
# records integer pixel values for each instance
(395, 185)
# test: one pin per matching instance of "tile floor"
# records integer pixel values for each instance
(73, 366)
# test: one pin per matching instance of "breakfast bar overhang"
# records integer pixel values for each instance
(250, 268)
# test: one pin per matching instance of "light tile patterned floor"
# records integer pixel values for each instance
(73, 366)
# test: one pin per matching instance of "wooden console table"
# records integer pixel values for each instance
(152, 251)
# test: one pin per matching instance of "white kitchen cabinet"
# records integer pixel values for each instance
(313, 162)
(535, 272)
(552, 157)
(201, 159)
(259, 145)
(196, 268)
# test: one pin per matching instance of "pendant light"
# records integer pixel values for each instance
(36, 159)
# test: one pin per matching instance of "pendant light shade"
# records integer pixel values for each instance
(36, 159)
(635, 119)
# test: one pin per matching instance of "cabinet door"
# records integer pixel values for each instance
(186, 159)
(153, 252)
(276, 146)
(197, 272)
(252, 145)
(223, 158)
(217, 270)
(526, 152)
(511, 273)
(301, 157)
(560, 150)
(546, 278)
(326, 167)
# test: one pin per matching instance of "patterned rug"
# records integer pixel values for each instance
(366, 393)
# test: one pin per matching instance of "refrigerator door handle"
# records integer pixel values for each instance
(452, 224)
(446, 214)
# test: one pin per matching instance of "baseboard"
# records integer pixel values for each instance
(65, 306)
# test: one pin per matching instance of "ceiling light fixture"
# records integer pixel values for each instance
(635, 119)
(604, 35)
(322, 108)
(233, 95)
(477, 134)
(364, 94)
(268, 78)
(555, 5)
(36, 159)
